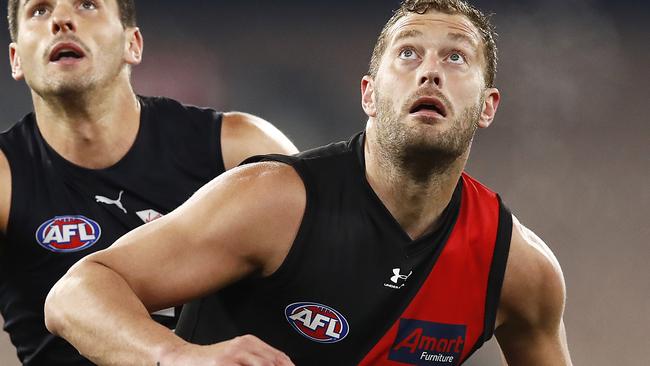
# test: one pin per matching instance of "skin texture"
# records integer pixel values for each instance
(87, 111)
(413, 162)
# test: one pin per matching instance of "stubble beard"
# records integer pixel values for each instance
(68, 87)
(72, 87)
(419, 152)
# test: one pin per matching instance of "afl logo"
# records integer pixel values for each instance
(66, 234)
(318, 322)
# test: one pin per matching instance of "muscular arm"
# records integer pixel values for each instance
(5, 195)
(242, 223)
(244, 135)
(530, 327)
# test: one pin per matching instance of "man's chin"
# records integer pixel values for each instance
(431, 140)
(427, 132)
(66, 88)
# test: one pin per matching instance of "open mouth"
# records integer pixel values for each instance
(429, 104)
(66, 51)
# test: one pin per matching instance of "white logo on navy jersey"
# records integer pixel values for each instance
(397, 277)
(108, 201)
(149, 215)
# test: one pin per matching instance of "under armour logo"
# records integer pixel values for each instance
(108, 201)
(399, 276)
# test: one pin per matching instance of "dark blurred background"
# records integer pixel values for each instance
(569, 150)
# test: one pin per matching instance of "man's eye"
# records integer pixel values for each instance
(39, 11)
(407, 54)
(88, 5)
(456, 58)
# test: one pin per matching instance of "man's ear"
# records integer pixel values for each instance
(491, 97)
(368, 96)
(134, 46)
(14, 60)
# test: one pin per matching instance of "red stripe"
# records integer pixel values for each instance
(454, 292)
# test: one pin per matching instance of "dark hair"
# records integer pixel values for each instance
(481, 21)
(126, 11)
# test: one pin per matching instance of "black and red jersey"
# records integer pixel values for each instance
(356, 289)
(61, 212)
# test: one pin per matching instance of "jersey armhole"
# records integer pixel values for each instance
(215, 142)
(496, 275)
(4, 234)
(297, 247)
(497, 270)
(21, 202)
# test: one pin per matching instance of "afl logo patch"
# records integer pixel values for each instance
(66, 234)
(318, 322)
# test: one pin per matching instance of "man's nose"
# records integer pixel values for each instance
(430, 72)
(62, 19)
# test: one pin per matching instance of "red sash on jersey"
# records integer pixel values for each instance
(446, 318)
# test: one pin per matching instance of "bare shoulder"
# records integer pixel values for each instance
(530, 328)
(244, 135)
(5, 192)
(533, 287)
(254, 186)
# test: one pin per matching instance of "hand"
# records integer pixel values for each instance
(246, 350)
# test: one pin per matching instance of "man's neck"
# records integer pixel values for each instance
(94, 129)
(415, 199)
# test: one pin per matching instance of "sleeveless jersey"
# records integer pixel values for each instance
(61, 212)
(356, 289)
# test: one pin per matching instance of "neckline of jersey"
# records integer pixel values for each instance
(412, 246)
(144, 112)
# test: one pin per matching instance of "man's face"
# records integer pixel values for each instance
(429, 94)
(69, 46)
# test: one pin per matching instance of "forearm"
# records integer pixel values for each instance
(97, 312)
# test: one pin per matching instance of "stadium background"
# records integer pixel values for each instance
(569, 150)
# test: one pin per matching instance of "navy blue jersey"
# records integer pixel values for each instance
(61, 212)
